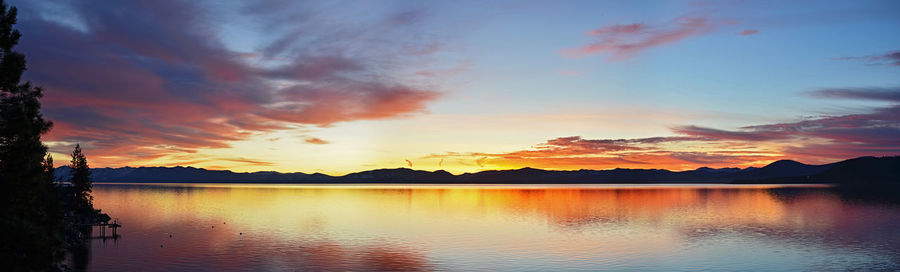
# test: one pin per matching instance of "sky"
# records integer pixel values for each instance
(464, 86)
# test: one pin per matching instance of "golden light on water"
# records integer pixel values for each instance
(426, 227)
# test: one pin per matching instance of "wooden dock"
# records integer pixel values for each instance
(114, 226)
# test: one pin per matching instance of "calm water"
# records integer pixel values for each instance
(491, 228)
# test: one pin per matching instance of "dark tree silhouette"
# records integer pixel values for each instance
(81, 180)
(30, 217)
(50, 170)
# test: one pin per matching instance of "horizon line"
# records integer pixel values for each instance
(526, 167)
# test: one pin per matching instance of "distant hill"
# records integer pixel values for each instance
(192, 174)
(399, 175)
(858, 172)
(780, 169)
(864, 170)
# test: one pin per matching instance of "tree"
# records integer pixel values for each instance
(21, 122)
(49, 170)
(81, 180)
(29, 208)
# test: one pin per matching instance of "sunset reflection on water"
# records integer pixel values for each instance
(289, 227)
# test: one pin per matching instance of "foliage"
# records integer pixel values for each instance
(81, 180)
(30, 212)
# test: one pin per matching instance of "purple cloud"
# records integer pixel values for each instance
(879, 94)
(890, 58)
(142, 80)
(719, 134)
(818, 140)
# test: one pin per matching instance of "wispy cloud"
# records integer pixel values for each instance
(188, 160)
(748, 32)
(626, 40)
(889, 58)
(878, 94)
(816, 140)
(720, 134)
(314, 140)
(143, 80)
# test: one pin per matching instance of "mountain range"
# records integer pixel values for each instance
(863, 170)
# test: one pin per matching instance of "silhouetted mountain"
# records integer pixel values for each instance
(719, 170)
(863, 170)
(779, 169)
(858, 172)
(399, 175)
(191, 174)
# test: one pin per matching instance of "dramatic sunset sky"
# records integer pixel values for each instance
(343, 86)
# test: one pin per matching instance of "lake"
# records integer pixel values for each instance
(238, 227)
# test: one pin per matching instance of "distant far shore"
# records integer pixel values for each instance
(863, 171)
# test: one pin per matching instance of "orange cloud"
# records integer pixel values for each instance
(818, 140)
(314, 140)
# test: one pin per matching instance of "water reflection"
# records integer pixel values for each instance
(237, 227)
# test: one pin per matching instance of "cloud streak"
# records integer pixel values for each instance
(314, 140)
(159, 78)
(624, 41)
(816, 140)
(891, 58)
(877, 94)
(748, 32)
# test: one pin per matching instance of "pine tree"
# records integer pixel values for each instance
(49, 170)
(29, 208)
(21, 122)
(81, 180)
